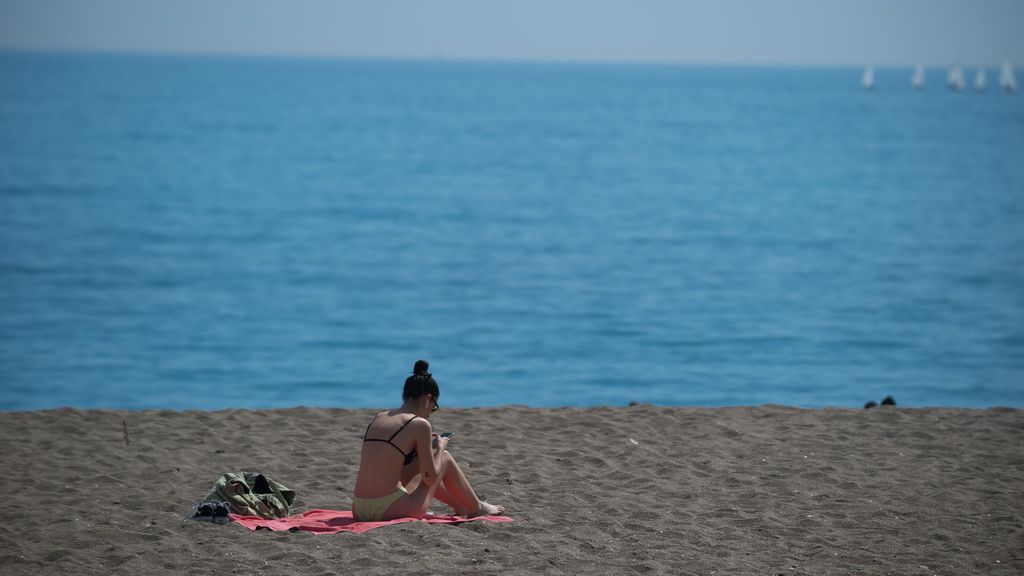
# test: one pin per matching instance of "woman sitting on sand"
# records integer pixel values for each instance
(404, 465)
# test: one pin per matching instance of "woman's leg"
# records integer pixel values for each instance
(411, 480)
(458, 508)
(456, 488)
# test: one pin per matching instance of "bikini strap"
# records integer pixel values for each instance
(400, 429)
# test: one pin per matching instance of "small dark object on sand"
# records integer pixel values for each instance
(870, 404)
(216, 512)
(221, 510)
(203, 509)
(888, 401)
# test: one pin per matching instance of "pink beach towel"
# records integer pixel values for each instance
(334, 521)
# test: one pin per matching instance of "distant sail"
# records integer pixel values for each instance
(917, 81)
(1007, 81)
(868, 80)
(955, 80)
(980, 81)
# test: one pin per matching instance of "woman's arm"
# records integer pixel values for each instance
(430, 461)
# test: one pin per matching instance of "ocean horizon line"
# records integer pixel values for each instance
(471, 61)
(562, 407)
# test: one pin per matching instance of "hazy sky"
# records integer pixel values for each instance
(899, 32)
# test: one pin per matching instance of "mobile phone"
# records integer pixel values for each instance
(446, 435)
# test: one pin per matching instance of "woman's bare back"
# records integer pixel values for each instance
(388, 446)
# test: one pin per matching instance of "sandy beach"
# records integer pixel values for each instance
(644, 489)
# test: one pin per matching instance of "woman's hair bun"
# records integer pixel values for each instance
(420, 383)
(421, 367)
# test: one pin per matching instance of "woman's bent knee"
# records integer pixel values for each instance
(447, 463)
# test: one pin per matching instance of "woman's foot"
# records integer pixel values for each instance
(487, 510)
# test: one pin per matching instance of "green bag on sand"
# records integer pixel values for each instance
(252, 494)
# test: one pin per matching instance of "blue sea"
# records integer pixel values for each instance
(187, 232)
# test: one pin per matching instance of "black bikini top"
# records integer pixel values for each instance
(408, 457)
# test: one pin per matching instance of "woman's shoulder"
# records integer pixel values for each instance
(398, 416)
(418, 422)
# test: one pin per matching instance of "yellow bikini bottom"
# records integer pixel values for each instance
(373, 509)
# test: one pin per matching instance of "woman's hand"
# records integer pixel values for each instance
(440, 444)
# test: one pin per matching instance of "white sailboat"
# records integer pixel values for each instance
(980, 82)
(955, 80)
(867, 81)
(1007, 81)
(917, 81)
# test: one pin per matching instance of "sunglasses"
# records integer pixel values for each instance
(435, 407)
